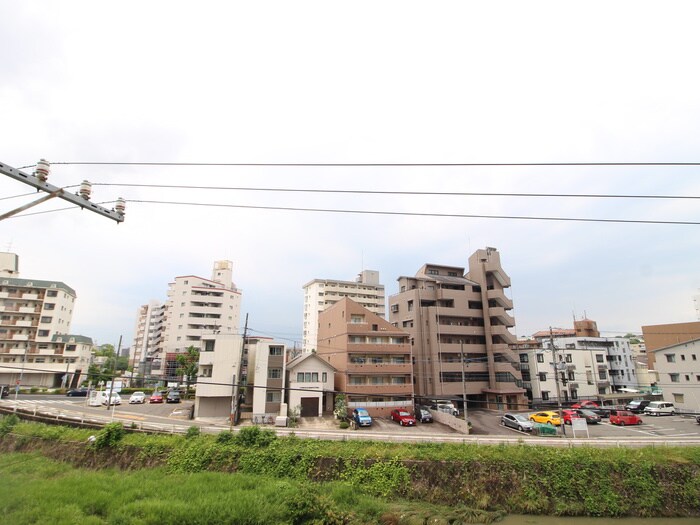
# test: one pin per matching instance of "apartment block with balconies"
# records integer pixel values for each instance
(33, 314)
(460, 327)
(198, 306)
(319, 294)
(372, 358)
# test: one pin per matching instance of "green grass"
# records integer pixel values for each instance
(39, 490)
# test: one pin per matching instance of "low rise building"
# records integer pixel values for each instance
(677, 373)
(310, 385)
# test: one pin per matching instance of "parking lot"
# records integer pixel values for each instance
(489, 423)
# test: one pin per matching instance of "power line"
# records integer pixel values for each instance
(417, 214)
(410, 193)
(373, 164)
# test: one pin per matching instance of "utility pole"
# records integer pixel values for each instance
(82, 198)
(234, 394)
(464, 386)
(556, 379)
(114, 372)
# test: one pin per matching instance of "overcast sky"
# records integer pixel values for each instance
(356, 82)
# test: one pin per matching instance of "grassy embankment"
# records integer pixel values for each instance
(359, 482)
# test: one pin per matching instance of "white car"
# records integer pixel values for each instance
(137, 397)
(114, 400)
(657, 408)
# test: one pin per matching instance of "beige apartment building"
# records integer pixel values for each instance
(36, 347)
(319, 294)
(252, 373)
(195, 307)
(662, 335)
(372, 358)
(677, 374)
(459, 325)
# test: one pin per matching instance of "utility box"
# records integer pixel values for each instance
(544, 430)
(281, 421)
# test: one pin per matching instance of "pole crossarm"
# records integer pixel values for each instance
(41, 185)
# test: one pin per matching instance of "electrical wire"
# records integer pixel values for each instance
(417, 214)
(372, 164)
(410, 193)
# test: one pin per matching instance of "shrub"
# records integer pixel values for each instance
(7, 423)
(224, 437)
(192, 432)
(254, 437)
(344, 424)
(109, 436)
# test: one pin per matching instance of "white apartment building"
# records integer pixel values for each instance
(36, 347)
(148, 333)
(198, 306)
(677, 373)
(319, 294)
(252, 373)
(588, 367)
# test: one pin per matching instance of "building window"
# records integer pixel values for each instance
(523, 358)
(687, 377)
(274, 373)
(695, 358)
(574, 394)
(567, 358)
(678, 398)
(602, 374)
(394, 308)
(357, 319)
(46, 319)
(432, 271)
(670, 358)
(51, 293)
(600, 358)
(49, 306)
(275, 350)
(273, 397)
(43, 333)
(209, 345)
(545, 396)
(410, 306)
(324, 376)
(682, 357)
(540, 358)
(543, 376)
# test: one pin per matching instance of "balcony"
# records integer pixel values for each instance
(500, 313)
(30, 296)
(450, 329)
(378, 390)
(495, 269)
(20, 337)
(379, 368)
(500, 298)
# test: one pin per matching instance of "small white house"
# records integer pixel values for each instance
(310, 385)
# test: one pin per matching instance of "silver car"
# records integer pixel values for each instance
(517, 421)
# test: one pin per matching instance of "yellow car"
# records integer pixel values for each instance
(549, 416)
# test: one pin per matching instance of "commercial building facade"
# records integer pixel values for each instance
(459, 325)
(319, 294)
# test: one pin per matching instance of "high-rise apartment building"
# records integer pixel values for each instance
(459, 324)
(319, 294)
(148, 334)
(197, 305)
(35, 340)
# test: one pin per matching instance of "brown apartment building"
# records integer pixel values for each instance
(372, 358)
(459, 325)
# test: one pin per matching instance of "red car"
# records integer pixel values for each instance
(403, 418)
(156, 397)
(624, 417)
(585, 404)
(568, 414)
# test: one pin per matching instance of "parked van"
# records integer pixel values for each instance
(101, 397)
(658, 408)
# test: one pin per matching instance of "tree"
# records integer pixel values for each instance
(341, 407)
(188, 365)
